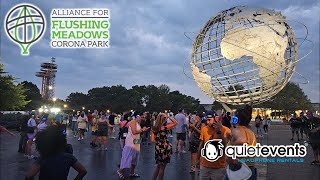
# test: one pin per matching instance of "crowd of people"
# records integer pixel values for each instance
(192, 130)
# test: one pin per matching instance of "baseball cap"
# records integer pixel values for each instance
(210, 114)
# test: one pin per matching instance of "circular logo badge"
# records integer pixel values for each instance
(25, 25)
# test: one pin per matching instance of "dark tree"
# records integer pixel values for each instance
(33, 95)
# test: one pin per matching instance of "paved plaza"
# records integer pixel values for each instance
(103, 164)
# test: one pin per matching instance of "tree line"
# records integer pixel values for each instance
(26, 96)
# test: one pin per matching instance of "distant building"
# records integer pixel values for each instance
(316, 107)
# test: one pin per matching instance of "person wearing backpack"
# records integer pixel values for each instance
(124, 126)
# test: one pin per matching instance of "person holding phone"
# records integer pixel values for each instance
(163, 149)
(131, 150)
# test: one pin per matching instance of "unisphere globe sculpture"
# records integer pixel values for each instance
(244, 55)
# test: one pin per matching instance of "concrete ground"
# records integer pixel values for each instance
(103, 164)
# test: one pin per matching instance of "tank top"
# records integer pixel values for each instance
(130, 137)
(250, 139)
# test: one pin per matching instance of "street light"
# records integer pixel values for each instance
(54, 101)
(83, 108)
(65, 106)
(50, 87)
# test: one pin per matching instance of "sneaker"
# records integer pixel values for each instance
(25, 155)
(74, 136)
(82, 138)
(183, 151)
(192, 170)
(30, 157)
(113, 137)
(315, 162)
(106, 149)
(79, 139)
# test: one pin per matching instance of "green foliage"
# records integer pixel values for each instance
(289, 99)
(12, 96)
(139, 98)
(33, 95)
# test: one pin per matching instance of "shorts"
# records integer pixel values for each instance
(94, 133)
(294, 129)
(181, 136)
(208, 173)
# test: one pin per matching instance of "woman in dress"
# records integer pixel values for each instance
(131, 150)
(163, 149)
(102, 133)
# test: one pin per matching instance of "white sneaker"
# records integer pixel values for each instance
(183, 151)
(30, 157)
(105, 149)
(82, 138)
(79, 139)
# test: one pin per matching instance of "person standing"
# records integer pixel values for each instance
(74, 125)
(243, 134)
(54, 163)
(94, 131)
(314, 136)
(258, 123)
(90, 118)
(213, 130)
(112, 123)
(266, 123)
(23, 133)
(295, 126)
(195, 129)
(226, 120)
(82, 125)
(102, 132)
(123, 131)
(32, 128)
(303, 125)
(131, 150)
(181, 130)
(163, 149)
(42, 126)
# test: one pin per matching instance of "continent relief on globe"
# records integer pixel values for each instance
(203, 80)
(266, 44)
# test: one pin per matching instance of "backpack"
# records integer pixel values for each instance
(124, 131)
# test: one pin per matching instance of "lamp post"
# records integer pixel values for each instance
(65, 106)
(54, 101)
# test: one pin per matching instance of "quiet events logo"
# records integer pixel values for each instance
(80, 28)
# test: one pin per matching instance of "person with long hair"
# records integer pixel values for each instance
(102, 133)
(163, 149)
(243, 134)
(194, 142)
(54, 163)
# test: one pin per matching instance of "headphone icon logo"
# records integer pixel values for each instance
(212, 150)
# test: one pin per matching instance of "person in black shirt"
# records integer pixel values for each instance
(54, 162)
(295, 126)
(226, 120)
(111, 122)
(314, 136)
(23, 133)
(303, 125)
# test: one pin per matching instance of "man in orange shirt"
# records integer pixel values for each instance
(213, 130)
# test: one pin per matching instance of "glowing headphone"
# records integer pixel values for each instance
(235, 119)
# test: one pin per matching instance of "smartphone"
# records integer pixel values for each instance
(217, 118)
